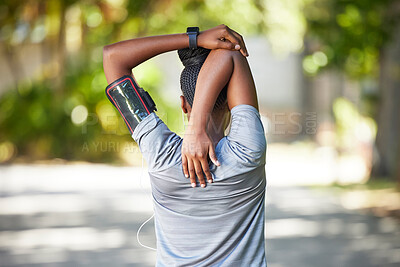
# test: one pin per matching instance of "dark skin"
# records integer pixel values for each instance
(220, 68)
(120, 58)
(206, 128)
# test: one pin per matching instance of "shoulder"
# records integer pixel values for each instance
(158, 144)
(246, 138)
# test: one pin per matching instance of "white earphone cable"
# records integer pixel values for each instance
(138, 231)
(143, 224)
(140, 181)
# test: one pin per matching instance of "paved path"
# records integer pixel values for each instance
(88, 215)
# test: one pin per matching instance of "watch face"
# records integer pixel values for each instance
(192, 30)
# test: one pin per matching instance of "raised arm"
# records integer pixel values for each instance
(221, 68)
(120, 58)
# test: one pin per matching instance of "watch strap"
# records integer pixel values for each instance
(192, 33)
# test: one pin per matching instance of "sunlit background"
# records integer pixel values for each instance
(73, 185)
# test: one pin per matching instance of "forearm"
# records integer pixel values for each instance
(213, 77)
(222, 68)
(120, 58)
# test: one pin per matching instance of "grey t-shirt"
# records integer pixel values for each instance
(223, 223)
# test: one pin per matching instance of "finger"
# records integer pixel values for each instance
(185, 166)
(228, 35)
(243, 48)
(213, 156)
(225, 45)
(192, 173)
(199, 173)
(241, 41)
(206, 170)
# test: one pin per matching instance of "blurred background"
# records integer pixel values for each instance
(73, 187)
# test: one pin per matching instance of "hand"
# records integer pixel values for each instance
(222, 37)
(196, 146)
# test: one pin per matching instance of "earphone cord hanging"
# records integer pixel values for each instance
(143, 224)
(140, 180)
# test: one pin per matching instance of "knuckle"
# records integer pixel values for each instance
(199, 172)
(191, 170)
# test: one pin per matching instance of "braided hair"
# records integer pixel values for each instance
(192, 60)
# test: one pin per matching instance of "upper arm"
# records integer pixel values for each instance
(228, 68)
(246, 137)
(111, 65)
(241, 87)
(158, 144)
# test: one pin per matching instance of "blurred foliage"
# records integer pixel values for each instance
(348, 35)
(61, 110)
(351, 127)
(354, 38)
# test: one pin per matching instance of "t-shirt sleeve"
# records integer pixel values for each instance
(159, 145)
(246, 137)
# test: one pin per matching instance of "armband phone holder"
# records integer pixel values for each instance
(133, 103)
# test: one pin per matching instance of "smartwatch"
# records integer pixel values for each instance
(192, 32)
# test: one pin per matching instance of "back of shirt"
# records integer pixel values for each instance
(223, 223)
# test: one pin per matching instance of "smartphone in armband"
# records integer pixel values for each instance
(133, 103)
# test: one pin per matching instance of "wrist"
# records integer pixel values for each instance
(195, 131)
(198, 120)
(197, 125)
(184, 43)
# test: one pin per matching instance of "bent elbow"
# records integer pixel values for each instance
(107, 51)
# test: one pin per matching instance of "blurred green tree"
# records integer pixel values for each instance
(362, 39)
(61, 110)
